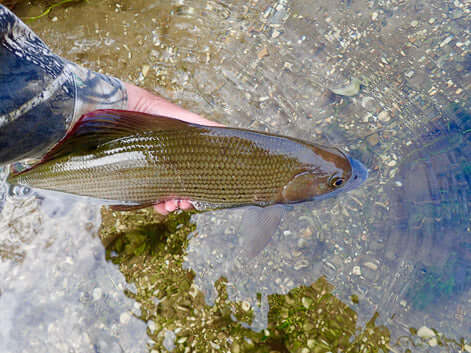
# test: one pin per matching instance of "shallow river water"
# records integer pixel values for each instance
(386, 267)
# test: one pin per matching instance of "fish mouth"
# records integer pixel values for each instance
(359, 174)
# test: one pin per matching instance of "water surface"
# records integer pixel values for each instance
(396, 250)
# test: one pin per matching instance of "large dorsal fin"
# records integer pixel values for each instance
(101, 126)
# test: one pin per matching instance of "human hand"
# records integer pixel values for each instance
(143, 101)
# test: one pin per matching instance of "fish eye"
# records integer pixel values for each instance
(336, 181)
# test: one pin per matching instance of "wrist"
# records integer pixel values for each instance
(143, 101)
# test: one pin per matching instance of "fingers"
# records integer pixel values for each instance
(171, 205)
(164, 208)
(185, 205)
(160, 208)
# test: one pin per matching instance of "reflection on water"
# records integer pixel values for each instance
(432, 212)
(57, 292)
(397, 250)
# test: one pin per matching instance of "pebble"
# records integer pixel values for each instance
(384, 116)
(215, 346)
(151, 326)
(275, 34)
(425, 332)
(433, 342)
(262, 53)
(373, 139)
(97, 293)
(169, 340)
(301, 242)
(124, 318)
(350, 90)
(368, 103)
(307, 233)
(356, 270)
(235, 348)
(245, 306)
(301, 264)
(446, 41)
(374, 16)
(372, 266)
(193, 291)
(414, 23)
(306, 302)
(311, 343)
(145, 70)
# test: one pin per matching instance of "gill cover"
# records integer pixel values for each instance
(299, 188)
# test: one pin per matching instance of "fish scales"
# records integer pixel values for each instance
(142, 162)
(193, 166)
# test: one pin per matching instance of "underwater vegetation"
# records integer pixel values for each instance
(150, 250)
(150, 255)
(48, 4)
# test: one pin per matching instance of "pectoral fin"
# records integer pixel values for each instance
(257, 228)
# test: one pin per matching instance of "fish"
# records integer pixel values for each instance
(136, 159)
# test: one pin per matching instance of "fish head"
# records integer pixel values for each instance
(330, 173)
